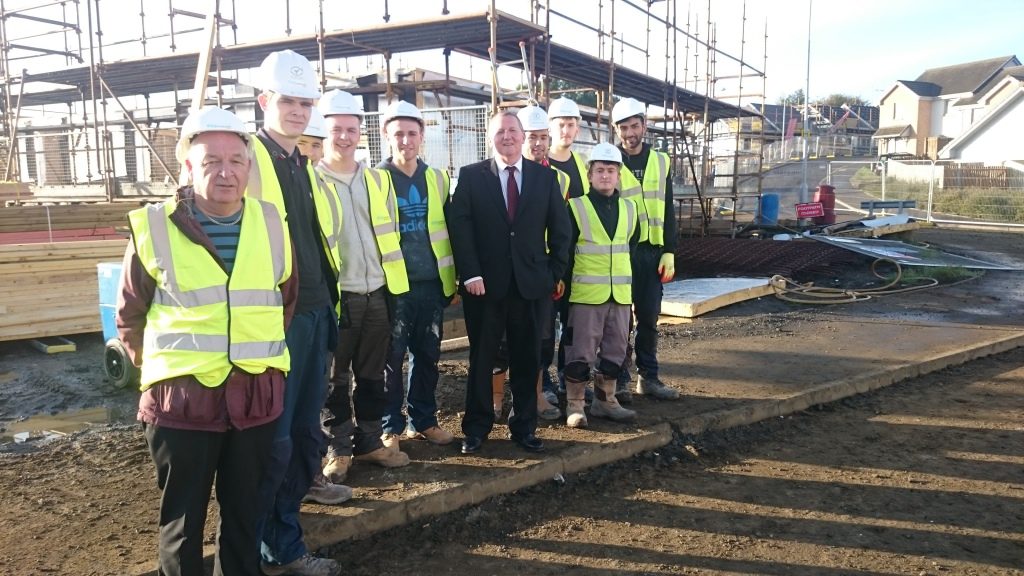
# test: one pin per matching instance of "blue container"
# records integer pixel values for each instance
(768, 214)
(109, 275)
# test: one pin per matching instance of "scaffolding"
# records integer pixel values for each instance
(99, 140)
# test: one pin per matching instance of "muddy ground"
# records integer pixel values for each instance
(86, 503)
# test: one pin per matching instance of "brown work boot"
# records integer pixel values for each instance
(606, 405)
(337, 467)
(435, 435)
(575, 417)
(385, 457)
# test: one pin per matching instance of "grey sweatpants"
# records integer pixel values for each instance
(598, 331)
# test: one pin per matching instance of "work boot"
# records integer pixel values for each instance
(654, 387)
(385, 457)
(307, 565)
(435, 435)
(390, 441)
(575, 417)
(605, 405)
(324, 492)
(337, 467)
(622, 391)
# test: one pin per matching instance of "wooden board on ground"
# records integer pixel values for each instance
(695, 296)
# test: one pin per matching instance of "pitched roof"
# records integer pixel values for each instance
(922, 88)
(1015, 72)
(967, 77)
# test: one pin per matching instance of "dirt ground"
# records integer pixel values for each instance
(923, 478)
(86, 502)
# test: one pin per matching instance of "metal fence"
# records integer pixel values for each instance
(948, 191)
(815, 147)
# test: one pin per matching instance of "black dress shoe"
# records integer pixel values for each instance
(530, 442)
(471, 444)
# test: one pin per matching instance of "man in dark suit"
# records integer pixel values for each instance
(509, 231)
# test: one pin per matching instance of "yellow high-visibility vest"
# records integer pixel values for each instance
(264, 185)
(438, 184)
(383, 205)
(601, 267)
(649, 197)
(203, 321)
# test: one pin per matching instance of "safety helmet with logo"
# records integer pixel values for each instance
(208, 119)
(627, 108)
(338, 102)
(533, 118)
(401, 109)
(563, 108)
(288, 73)
(316, 128)
(605, 152)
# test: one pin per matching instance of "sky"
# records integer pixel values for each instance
(858, 48)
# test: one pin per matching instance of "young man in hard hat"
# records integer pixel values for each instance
(564, 125)
(372, 274)
(282, 176)
(417, 325)
(604, 233)
(311, 143)
(202, 349)
(646, 180)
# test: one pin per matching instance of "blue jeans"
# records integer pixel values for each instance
(647, 293)
(417, 326)
(298, 441)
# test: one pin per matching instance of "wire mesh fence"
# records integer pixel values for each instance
(950, 191)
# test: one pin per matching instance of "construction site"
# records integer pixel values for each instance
(763, 339)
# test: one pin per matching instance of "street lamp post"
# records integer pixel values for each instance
(804, 197)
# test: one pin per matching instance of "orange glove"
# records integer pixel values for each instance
(667, 267)
(559, 291)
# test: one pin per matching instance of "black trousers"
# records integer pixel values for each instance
(188, 462)
(364, 339)
(487, 320)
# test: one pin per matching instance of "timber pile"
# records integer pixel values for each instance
(21, 224)
(52, 289)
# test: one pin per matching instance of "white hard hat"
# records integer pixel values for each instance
(627, 108)
(533, 118)
(401, 109)
(563, 108)
(288, 73)
(336, 102)
(208, 119)
(316, 128)
(605, 152)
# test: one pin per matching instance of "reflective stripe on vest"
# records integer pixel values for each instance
(438, 184)
(264, 185)
(202, 321)
(649, 197)
(384, 219)
(601, 267)
(564, 182)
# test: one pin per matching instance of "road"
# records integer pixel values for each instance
(923, 478)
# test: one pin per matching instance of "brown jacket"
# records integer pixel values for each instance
(244, 400)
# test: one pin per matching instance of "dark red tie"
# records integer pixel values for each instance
(512, 191)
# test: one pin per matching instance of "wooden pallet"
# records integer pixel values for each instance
(51, 289)
(64, 217)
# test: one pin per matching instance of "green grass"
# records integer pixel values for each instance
(992, 204)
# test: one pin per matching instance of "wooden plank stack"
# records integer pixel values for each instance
(51, 289)
(23, 224)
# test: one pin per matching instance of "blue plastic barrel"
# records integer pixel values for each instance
(768, 214)
(109, 275)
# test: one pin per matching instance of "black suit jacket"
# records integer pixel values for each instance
(486, 244)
